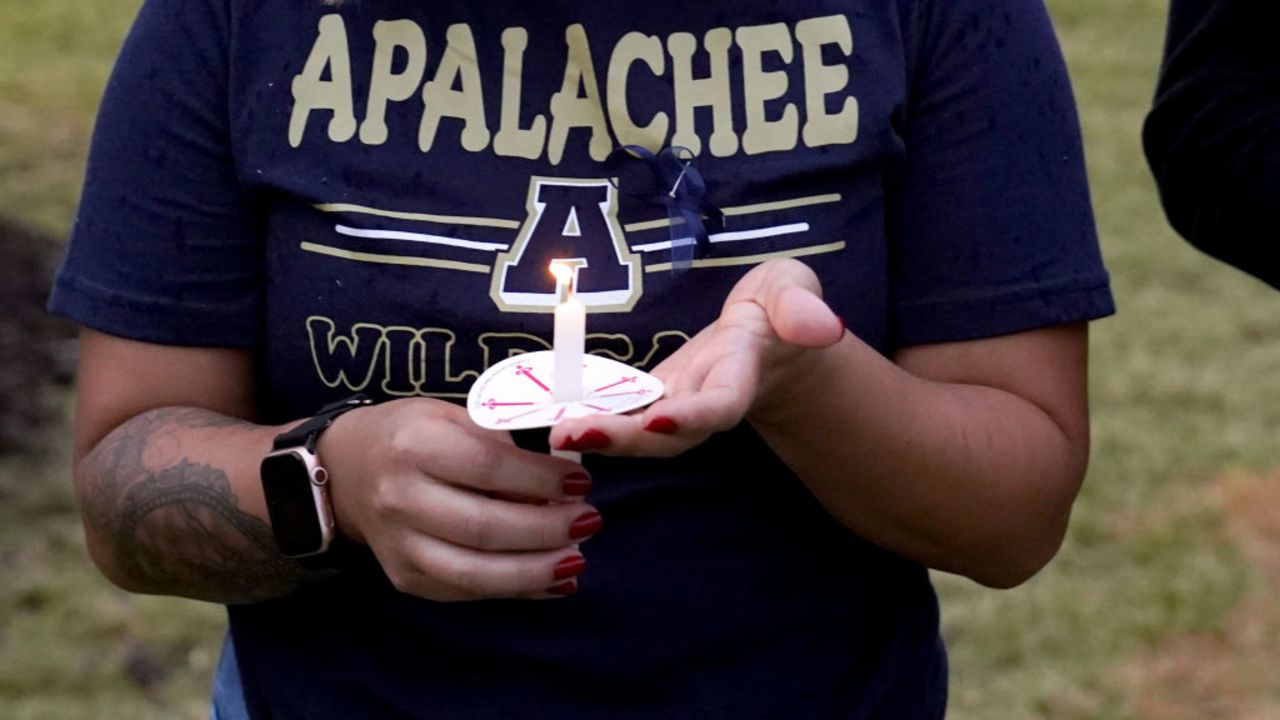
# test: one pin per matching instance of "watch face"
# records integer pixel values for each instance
(291, 504)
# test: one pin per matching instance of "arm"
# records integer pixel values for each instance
(1213, 136)
(166, 474)
(965, 456)
(166, 471)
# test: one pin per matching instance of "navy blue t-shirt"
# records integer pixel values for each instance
(367, 197)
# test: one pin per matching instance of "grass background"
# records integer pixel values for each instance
(1158, 606)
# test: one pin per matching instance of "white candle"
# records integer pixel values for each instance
(569, 338)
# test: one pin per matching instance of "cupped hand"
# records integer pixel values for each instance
(771, 326)
(454, 512)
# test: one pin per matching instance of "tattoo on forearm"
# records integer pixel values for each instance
(178, 529)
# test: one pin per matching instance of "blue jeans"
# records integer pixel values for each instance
(228, 693)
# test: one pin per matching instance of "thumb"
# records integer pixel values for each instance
(791, 295)
(800, 317)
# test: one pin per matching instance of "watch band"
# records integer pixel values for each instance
(306, 434)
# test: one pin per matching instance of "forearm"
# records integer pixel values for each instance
(172, 504)
(964, 478)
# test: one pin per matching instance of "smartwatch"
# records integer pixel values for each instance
(295, 485)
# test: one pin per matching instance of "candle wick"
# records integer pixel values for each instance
(566, 272)
(564, 289)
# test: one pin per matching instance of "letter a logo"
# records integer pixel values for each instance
(568, 219)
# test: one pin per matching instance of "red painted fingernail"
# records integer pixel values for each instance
(569, 567)
(662, 425)
(585, 526)
(576, 484)
(589, 440)
(593, 440)
(563, 589)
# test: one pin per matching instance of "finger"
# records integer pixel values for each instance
(681, 419)
(482, 523)
(674, 363)
(691, 419)
(783, 273)
(791, 295)
(800, 317)
(620, 435)
(722, 397)
(459, 416)
(689, 377)
(731, 349)
(437, 570)
(667, 428)
(479, 463)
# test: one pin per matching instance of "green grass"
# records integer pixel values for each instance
(1184, 389)
(54, 59)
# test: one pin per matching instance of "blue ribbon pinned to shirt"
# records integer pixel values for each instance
(668, 179)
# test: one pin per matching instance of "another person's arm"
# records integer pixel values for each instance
(1213, 135)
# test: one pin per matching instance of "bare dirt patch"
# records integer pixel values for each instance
(1233, 674)
(37, 352)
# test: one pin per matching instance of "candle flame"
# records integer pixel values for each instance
(562, 271)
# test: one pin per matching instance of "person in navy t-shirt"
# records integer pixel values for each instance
(853, 237)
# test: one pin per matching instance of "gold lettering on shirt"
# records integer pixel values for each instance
(387, 86)
(513, 140)
(760, 86)
(747, 70)
(310, 92)
(401, 361)
(577, 104)
(713, 91)
(404, 361)
(635, 47)
(344, 360)
(439, 99)
(821, 127)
